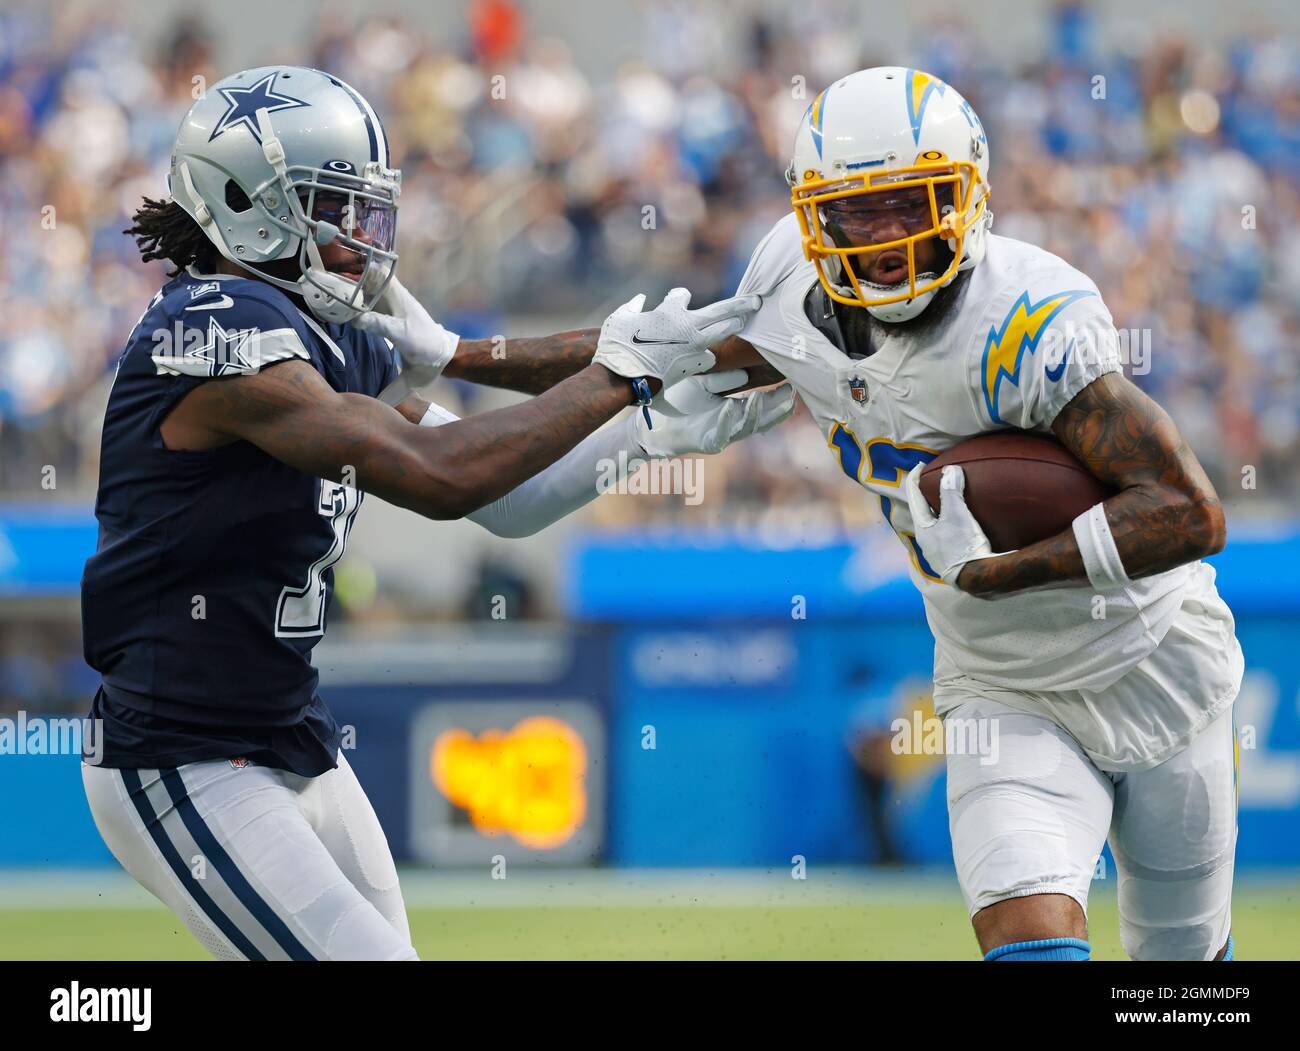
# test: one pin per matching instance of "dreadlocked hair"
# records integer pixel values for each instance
(163, 230)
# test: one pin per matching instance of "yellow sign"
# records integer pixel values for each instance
(529, 782)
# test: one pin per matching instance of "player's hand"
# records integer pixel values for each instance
(694, 417)
(425, 346)
(952, 538)
(669, 342)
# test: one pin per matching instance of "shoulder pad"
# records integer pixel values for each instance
(232, 326)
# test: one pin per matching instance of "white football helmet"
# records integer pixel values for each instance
(896, 142)
(273, 163)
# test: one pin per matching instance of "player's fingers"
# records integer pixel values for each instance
(688, 398)
(715, 333)
(677, 298)
(379, 324)
(394, 293)
(733, 422)
(756, 414)
(952, 486)
(721, 382)
(922, 516)
(632, 306)
(737, 307)
(774, 407)
(742, 415)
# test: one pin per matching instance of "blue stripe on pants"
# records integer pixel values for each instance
(229, 871)
(135, 789)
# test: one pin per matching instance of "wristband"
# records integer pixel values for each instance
(1097, 546)
(641, 389)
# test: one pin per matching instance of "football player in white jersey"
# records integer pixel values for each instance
(1102, 658)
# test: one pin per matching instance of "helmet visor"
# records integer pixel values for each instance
(879, 218)
(352, 224)
(877, 223)
(359, 217)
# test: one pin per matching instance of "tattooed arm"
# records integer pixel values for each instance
(530, 364)
(1166, 512)
(292, 414)
(533, 364)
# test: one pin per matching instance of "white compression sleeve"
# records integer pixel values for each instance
(575, 479)
(1097, 545)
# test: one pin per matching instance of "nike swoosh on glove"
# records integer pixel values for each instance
(693, 417)
(671, 341)
(425, 346)
(953, 538)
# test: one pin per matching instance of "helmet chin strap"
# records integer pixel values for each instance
(331, 297)
(201, 213)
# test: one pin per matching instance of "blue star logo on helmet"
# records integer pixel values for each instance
(243, 104)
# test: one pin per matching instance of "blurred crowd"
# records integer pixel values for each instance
(531, 190)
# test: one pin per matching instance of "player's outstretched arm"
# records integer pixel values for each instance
(1166, 512)
(528, 364)
(533, 364)
(292, 414)
(692, 417)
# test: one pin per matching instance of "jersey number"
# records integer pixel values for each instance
(886, 464)
(301, 610)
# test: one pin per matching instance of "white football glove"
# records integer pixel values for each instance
(669, 342)
(693, 417)
(953, 538)
(425, 346)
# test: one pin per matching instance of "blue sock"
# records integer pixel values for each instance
(1228, 955)
(1044, 949)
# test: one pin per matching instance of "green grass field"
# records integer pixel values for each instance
(1266, 925)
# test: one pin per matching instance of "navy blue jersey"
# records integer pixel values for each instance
(212, 578)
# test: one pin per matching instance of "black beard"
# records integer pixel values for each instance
(862, 332)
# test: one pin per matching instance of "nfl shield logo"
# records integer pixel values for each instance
(239, 763)
(858, 389)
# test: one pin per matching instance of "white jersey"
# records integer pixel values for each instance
(988, 368)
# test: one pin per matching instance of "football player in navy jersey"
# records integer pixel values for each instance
(258, 397)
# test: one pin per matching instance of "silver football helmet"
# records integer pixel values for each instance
(276, 162)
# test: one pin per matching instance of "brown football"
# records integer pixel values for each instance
(1021, 487)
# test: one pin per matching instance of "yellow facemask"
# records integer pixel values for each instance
(933, 171)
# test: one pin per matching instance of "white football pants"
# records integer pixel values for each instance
(1033, 821)
(260, 864)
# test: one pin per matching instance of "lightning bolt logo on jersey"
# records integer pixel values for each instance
(1017, 336)
(213, 574)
